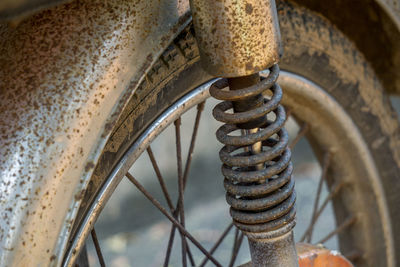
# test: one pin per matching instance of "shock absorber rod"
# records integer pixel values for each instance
(241, 106)
(238, 39)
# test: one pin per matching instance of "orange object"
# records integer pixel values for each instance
(317, 256)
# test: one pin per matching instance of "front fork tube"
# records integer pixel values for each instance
(238, 39)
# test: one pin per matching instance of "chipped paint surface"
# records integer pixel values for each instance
(64, 74)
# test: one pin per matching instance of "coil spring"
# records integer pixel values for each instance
(261, 200)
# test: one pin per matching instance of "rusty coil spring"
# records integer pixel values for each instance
(261, 199)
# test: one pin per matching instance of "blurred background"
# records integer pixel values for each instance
(132, 232)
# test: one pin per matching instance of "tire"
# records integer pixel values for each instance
(313, 49)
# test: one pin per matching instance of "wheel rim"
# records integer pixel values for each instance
(299, 93)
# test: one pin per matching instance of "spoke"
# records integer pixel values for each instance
(177, 209)
(332, 194)
(339, 229)
(236, 247)
(179, 206)
(160, 178)
(171, 218)
(216, 245)
(231, 262)
(191, 259)
(200, 108)
(325, 167)
(180, 187)
(98, 249)
(302, 132)
(170, 244)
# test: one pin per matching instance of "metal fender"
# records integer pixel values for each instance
(65, 75)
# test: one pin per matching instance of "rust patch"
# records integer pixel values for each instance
(79, 196)
(90, 165)
(249, 8)
(231, 36)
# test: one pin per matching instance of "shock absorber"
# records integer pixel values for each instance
(237, 39)
(258, 180)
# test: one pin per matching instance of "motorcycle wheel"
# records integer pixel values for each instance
(327, 85)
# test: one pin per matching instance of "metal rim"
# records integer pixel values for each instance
(297, 91)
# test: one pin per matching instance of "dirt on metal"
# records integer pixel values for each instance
(236, 38)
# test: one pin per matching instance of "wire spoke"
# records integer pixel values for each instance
(180, 187)
(339, 229)
(200, 108)
(177, 209)
(302, 132)
(98, 249)
(332, 194)
(170, 205)
(171, 241)
(191, 259)
(170, 245)
(216, 245)
(325, 166)
(234, 243)
(171, 218)
(160, 178)
(236, 246)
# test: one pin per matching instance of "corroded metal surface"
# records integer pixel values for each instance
(375, 25)
(9, 8)
(258, 181)
(236, 38)
(65, 75)
(278, 251)
(261, 205)
(76, 42)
